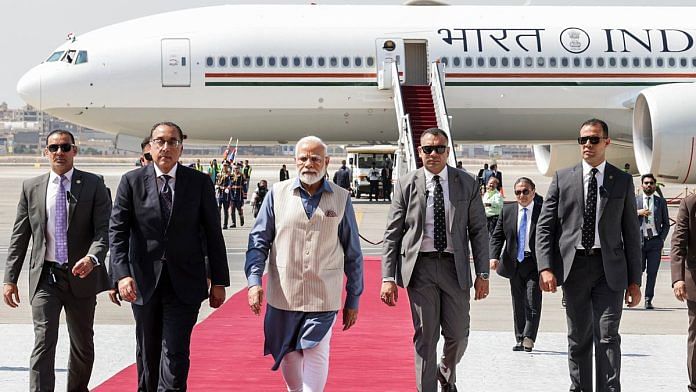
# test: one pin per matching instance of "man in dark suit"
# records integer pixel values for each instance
(65, 213)
(516, 229)
(683, 253)
(588, 214)
(435, 212)
(493, 172)
(164, 221)
(654, 227)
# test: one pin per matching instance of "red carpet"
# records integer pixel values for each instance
(227, 349)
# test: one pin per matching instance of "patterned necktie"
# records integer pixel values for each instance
(439, 205)
(590, 215)
(647, 206)
(61, 223)
(522, 236)
(165, 197)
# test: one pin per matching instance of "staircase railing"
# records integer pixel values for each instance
(437, 87)
(405, 154)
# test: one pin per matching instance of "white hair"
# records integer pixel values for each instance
(314, 140)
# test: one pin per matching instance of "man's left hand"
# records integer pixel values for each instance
(217, 296)
(480, 288)
(632, 296)
(83, 267)
(350, 316)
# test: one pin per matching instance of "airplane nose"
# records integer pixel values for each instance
(29, 88)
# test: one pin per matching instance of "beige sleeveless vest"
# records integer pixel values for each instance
(305, 266)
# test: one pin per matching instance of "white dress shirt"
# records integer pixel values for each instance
(51, 192)
(428, 243)
(172, 180)
(529, 208)
(649, 221)
(585, 183)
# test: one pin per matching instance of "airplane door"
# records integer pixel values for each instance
(176, 64)
(416, 70)
(389, 49)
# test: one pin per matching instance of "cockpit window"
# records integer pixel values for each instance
(70, 56)
(81, 57)
(55, 56)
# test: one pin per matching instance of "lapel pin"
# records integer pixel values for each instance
(77, 181)
(611, 177)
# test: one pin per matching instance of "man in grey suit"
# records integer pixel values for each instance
(588, 240)
(66, 215)
(435, 212)
(654, 227)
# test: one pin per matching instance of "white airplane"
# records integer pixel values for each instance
(276, 73)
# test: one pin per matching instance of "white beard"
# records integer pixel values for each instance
(311, 179)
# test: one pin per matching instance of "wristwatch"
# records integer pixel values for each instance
(483, 275)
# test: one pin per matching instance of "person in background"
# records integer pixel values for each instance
(214, 170)
(197, 165)
(627, 167)
(386, 184)
(480, 175)
(284, 174)
(342, 176)
(460, 165)
(145, 156)
(258, 196)
(494, 172)
(373, 177)
(493, 203)
(223, 193)
(237, 196)
(246, 171)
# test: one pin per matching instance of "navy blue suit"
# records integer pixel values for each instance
(652, 245)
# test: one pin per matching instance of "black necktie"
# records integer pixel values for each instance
(590, 215)
(439, 206)
(165, 197)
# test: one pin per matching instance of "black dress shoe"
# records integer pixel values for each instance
(518, 347)
(648, 304)
(444, 385)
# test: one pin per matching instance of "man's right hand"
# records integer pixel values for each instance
(113, 296)
(679, 290)
(126, 288)
(255, 296)
(389, 293)
(547, 281)
(10, 294)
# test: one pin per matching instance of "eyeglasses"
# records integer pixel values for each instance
(313, 159)
(523, 192)
(65, 147)
(429, 149)
(147, 156)
(160, 143)
(592, 139)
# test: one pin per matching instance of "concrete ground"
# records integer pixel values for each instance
(654, 351)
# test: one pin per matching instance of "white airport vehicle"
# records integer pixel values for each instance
(381, 74)
(360, 160)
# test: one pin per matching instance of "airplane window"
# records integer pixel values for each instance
(209, 61)
(468, 61)
(492, 62)
(660, 62)
(528, 61)
(234, 61)
(647, 61)
(296, 61)
(540, 61)
(457, 61)
(345, 61)
(612, 61)
(321, 61)
(82, 57)
(505, 62)
(308, 61)
(357, 61)
(624, 62)
(259, 61)
(693, 62)
(333, 61)
(553, 62)
(70, 56)
(370, 61)
(636, 62)
(284, 61)
(600, 61)
(480, 61)
(564, 62)
(672, 62)
(444, 60)
(55, 56)
(272, 61)
(222, 61)
(576, 62)
(588, 62)
(683, 62)
(516, 61)
(247, 61)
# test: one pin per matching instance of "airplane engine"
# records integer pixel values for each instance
(664, 132)
(551, 157)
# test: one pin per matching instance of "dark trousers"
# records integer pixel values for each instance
(691, 346)
(163, 333)
(593, 314)
(386, 190)
(374, 189)
(236, 205)
(491, 222)
(225, 206)
(652, 252)
(437, 302)
(526, 300)
(46, 306)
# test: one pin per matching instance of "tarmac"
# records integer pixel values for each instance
(653, 342)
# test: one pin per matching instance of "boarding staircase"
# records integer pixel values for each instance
(417, 109)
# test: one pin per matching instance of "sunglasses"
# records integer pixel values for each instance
(65, 147)
(522, 192)
(592, 139)
(147, 156)
(430, 149)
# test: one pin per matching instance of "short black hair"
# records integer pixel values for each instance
(435, 132)
(647, 175)
(169, 124)
(145, 142)
(525, 179)
(597, 122)
(60, 132)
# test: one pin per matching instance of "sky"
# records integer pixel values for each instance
(31, 29)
